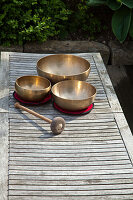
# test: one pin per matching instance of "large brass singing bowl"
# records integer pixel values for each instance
(63, 67)
(32, 88)
(73, 94)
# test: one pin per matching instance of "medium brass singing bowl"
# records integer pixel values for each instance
(73, 94)
(63, 67)
(32, 88)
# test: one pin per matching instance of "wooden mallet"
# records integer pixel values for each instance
(57, 124)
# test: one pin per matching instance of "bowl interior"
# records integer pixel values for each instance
(33, 83)
(73, 90)
(66, 65)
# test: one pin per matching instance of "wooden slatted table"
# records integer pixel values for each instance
(91, 159)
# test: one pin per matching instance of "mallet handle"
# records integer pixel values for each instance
(17, 105)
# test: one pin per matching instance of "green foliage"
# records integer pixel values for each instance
(121, 23)
(96, 2)
(113, 4)
(122, 20)
(40, 20)
(128, 3)
(83, 22)
(131, 27)
(22, 20)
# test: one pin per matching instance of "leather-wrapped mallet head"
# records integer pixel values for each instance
(57, 125)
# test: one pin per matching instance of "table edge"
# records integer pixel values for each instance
(4, 142)
(119, 116)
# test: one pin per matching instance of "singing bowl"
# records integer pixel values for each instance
(32, 88)
(61, 67)
(73, 94)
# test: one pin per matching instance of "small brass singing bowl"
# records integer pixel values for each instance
(32, 88)
(61, 67)
(73, 94)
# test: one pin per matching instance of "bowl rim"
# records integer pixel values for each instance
(38, 68)
(73, 99)
(16, 83)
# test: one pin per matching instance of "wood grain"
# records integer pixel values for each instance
(87, 161)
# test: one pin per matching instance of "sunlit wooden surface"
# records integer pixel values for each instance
(91, 159)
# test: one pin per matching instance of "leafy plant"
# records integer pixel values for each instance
(32, 20)
(40, 20)
(83, 22)
(122, 19)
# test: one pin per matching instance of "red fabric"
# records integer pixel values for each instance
(47, 98)
(84, 111)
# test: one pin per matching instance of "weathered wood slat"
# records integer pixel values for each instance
(91, 116)
(3, 155)
(99, 122)
(95, 145)
(71, 128)
(74, 128)
(41, 151)
(92, 197)
(57, 141)
(50, 112)
(74, 121)
(25, 56)
(92, 160)
(42, 142)
(100, 146)
(56, 112)
(93, 182)
(46, 132)
(71, 172)
(72, 136)
(62, 142)
(69, 123)
(88, 125)
(70, 163)
(70, 177)
(4, 96)
(95, 122)
(68, 155)
(4, 82)
(71, 188)
(76, 192)
(68, 168)
(71, 159)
